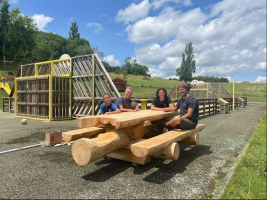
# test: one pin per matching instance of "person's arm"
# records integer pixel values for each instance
(125, 110)
(114, 109)
(169, 109)
(156, 108)
(189, 113)
(113, 112)
(101, 110)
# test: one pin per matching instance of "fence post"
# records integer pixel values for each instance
(143, 104)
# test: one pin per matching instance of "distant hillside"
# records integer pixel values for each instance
(145, 87)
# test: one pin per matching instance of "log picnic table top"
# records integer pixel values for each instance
(124, 119)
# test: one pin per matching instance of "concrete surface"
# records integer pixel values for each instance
(51, 173)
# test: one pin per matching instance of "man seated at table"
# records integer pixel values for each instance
(125, 104)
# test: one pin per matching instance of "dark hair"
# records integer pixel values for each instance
(106, 94)
(186, 86)
(157, 92)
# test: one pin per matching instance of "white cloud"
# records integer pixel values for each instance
(160, 3)
(13, 1)
(229, 38)
(261, 66)
(260, 79)
(42, 21)
(110, 60)
(133, 12)
(98, 28)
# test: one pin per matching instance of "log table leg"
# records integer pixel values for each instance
(87, 150)
(191, 140)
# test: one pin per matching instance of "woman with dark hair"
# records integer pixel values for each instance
(161, 100)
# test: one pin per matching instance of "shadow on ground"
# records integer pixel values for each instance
(165, 171)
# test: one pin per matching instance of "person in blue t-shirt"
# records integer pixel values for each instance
(108, 107)
(189, 111)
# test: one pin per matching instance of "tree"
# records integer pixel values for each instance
(15, 27)
(4, 5)
(99, 53)
(188, 65)
(124, 73)
(74, 31)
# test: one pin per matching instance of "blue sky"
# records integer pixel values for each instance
(228, 37)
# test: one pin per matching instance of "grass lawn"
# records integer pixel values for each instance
(145, 87)
(249, 179)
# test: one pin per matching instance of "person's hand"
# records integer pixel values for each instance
(132, 110)
(106, 113)
(165, 110)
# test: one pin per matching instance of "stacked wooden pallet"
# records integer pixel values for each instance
(127, 136)
(223, 106)
(5, 104)
(241, 102)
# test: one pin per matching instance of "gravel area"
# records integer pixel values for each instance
(51, 173)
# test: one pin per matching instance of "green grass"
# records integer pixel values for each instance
(146, 87)
(255, 92)
(249, 180)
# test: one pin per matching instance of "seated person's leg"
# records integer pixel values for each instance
(186, 124)
(175, 121)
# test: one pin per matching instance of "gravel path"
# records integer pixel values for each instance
(51, 173)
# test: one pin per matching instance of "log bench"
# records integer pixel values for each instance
(120, 136)
(164, 146)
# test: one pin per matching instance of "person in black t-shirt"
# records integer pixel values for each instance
(161, 100)
(125, 104)
(189, 111)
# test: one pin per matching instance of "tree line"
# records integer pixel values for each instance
(130, 66)
(20, 39)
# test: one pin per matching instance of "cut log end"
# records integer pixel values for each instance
(139, 152)
(81, 152)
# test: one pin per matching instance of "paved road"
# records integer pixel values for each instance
(50, 172)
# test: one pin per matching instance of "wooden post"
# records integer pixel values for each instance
(93, 85)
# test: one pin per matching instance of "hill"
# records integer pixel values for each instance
(145, 87)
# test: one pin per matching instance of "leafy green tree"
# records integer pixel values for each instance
(73, 34)
(124, 73)
(4, 5)
(188, 65)
(29, 36)
(99, 53)
(107, 66)
(15, 27)
(132, 67)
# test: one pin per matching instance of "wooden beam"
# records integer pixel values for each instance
(80, 133)
(191, 140)
(155, 144)
(126, 155)
(171, 152)
(124, 119)
(87, 150)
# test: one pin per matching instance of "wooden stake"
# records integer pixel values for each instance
(80, 133)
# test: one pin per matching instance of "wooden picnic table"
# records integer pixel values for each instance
(127, 136)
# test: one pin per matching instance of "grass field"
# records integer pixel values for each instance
(145, 87)
(249, 179)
